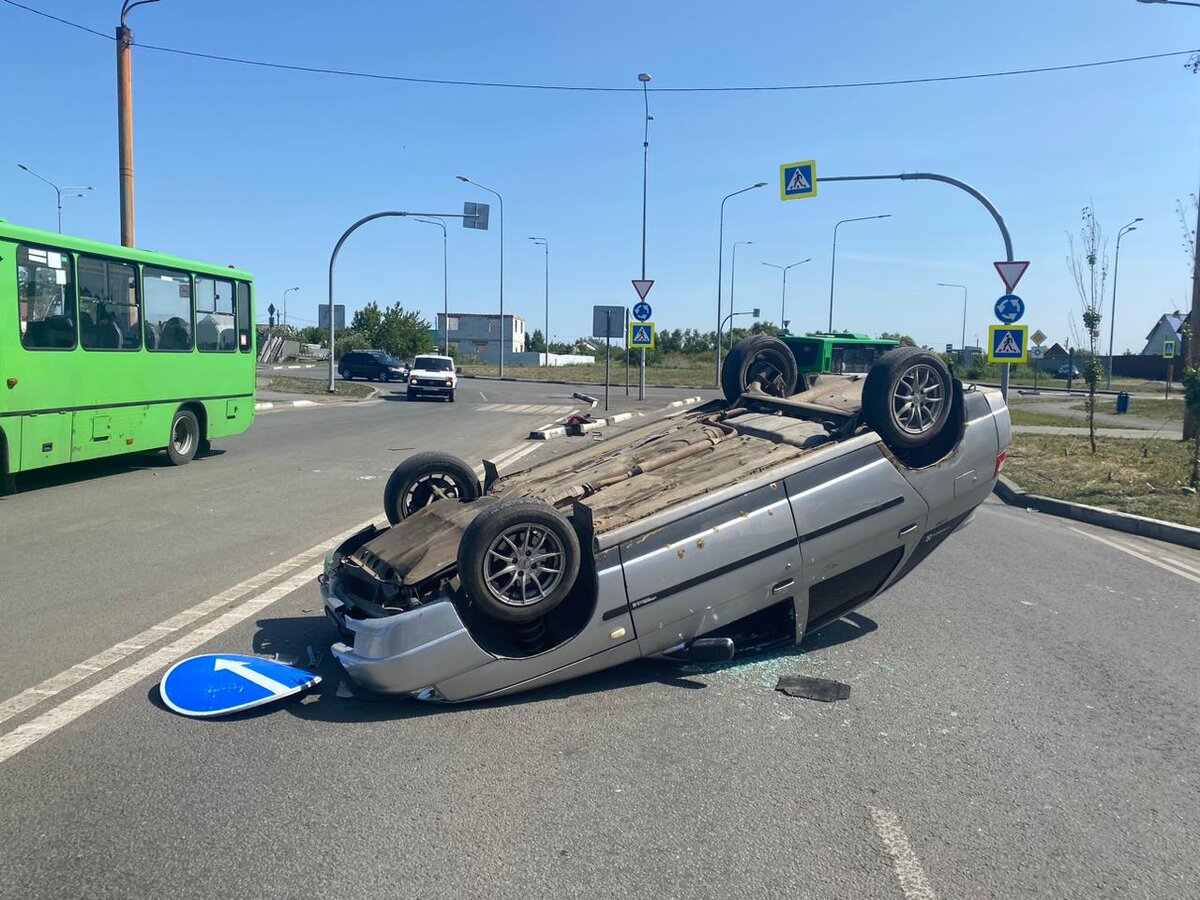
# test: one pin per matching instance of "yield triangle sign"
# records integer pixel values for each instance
(1011, 272)
(642, 286)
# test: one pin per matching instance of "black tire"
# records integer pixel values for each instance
(452, 396)
(412, 395)
(759, 359)
(346, 376)
(426, 478)
(907, 397)
(532, 539)
(184, 438)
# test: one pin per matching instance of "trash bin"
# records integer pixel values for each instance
(1122, 402)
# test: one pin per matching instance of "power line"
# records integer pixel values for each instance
(449, 82)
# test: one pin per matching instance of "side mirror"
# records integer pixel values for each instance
(458, 370)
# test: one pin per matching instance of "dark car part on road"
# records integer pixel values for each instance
(907, 397)
(425, 478)
(823, 689)
(761, 361)
(518, 560)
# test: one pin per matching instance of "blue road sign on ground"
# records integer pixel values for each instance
(1007, 343)
(221, 683)
(1010, 308)
(642, 311)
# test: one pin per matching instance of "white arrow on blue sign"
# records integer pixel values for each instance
(1010, 308)
(642, 311)
(217, 684)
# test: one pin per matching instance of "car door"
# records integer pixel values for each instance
(857, 520)
(711, 568)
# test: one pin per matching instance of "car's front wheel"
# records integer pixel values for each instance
(426, 478)
(907, 397)
(518, 560)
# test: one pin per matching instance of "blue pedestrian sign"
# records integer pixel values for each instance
(221, 683)
(798, 180)
(1008, 343)
(641, 335)
(642, 311)
(1009, 309)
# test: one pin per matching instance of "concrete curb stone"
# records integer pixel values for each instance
(1170, 532)
(556, 431)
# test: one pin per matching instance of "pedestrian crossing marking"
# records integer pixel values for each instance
(1008, 346)
(538, 409)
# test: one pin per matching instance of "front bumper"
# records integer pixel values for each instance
(431, 388)
(407, 653)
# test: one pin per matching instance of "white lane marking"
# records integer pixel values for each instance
(78, 672)
(1142, 556)
(1165, 557)
(912, 878)
(484, 396)
(84, 702)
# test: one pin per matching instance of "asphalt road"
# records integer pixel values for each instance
(1023, 719)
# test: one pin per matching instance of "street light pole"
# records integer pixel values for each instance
(445, 293)
(645, 80)
(58, 191)
(732, 276)
(720, 261)
(1112, 319)
(285, 293)
(962, 347)
(542, 242)
(125, 119)
(833, 260)
(783, 302)
(467, 180)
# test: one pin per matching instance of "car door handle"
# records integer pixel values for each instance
(783, 585)
(907, 529)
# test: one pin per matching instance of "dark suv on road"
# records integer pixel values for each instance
(374, 365)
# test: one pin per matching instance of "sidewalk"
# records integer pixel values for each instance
(266, 399)
(1164, 433)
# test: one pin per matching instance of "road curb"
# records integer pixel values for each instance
(686, 401)
(290, 404)
(589, 384)
(557, 431)
(1170, 532)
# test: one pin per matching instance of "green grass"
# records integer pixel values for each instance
(1146, 478)
(1169, 410)
(286, 385)
(1027, 414)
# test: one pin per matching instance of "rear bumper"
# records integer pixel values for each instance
(406, 653)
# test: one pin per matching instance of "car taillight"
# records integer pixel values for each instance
(1000, 459)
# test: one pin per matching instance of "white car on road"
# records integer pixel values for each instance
(432, 374)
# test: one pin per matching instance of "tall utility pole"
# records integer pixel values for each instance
(1112, 319)
(645, 80)
(962, 347)
(732, 277)
(833, 257)
(542, 242)
(720, 262)
(57, 190)
(783, 300)
(445, 290)
(285, 293)
(125, 119)
(466, 180)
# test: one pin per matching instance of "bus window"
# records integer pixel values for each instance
(44, 299)
(168, 299)
(243, 317)
(108, 305)
(214, 315)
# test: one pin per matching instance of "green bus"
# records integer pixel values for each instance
(107, 350)
(840, 352)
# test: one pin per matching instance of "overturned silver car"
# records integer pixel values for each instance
(732, 528)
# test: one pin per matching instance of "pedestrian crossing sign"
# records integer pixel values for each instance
(1008, 343)
(798, 180)
(641, 335)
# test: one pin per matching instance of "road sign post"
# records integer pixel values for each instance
(608, 323)
(1010, 271)
(1169, 355)
(642, 286)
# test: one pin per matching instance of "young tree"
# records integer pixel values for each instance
(536, 342)
(904, 339)
(403, 333)
(366, 321)
(1088, 263)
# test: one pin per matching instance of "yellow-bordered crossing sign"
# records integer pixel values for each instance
(641, 335)
(798, 180)
(1008, 343)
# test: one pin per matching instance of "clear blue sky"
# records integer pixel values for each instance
(265, 168)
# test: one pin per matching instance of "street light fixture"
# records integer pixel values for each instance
(783, 302)
(833, 261)
(720, 261)
(1112, 319)
(542, 242)
(441, 223)
(732, 276)
(962, 347)
(285, 293)
(645, 80)
(57, 190)
(466, 180)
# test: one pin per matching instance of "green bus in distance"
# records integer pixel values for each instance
(840, 352)
(107, 350)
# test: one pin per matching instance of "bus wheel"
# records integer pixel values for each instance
(185, 438)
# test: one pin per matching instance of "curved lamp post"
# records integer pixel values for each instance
(783, 302)
(545, 244)
(285, 293)
(732, 276)
(466, 180)
(962, 347)
(445, 295)
(833, 261)
(720, 261)
(57, 190)
(1112, 319)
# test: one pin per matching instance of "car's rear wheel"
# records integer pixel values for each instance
(907, 397)
(518, 560)
(184, 439)
(346, 376)
(426, 478)
(759, 360)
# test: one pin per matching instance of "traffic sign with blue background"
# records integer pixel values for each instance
(1008, 343)
(641, 335)
(798, 180)
(642, 311)
(1010, 308)
(217, 684)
